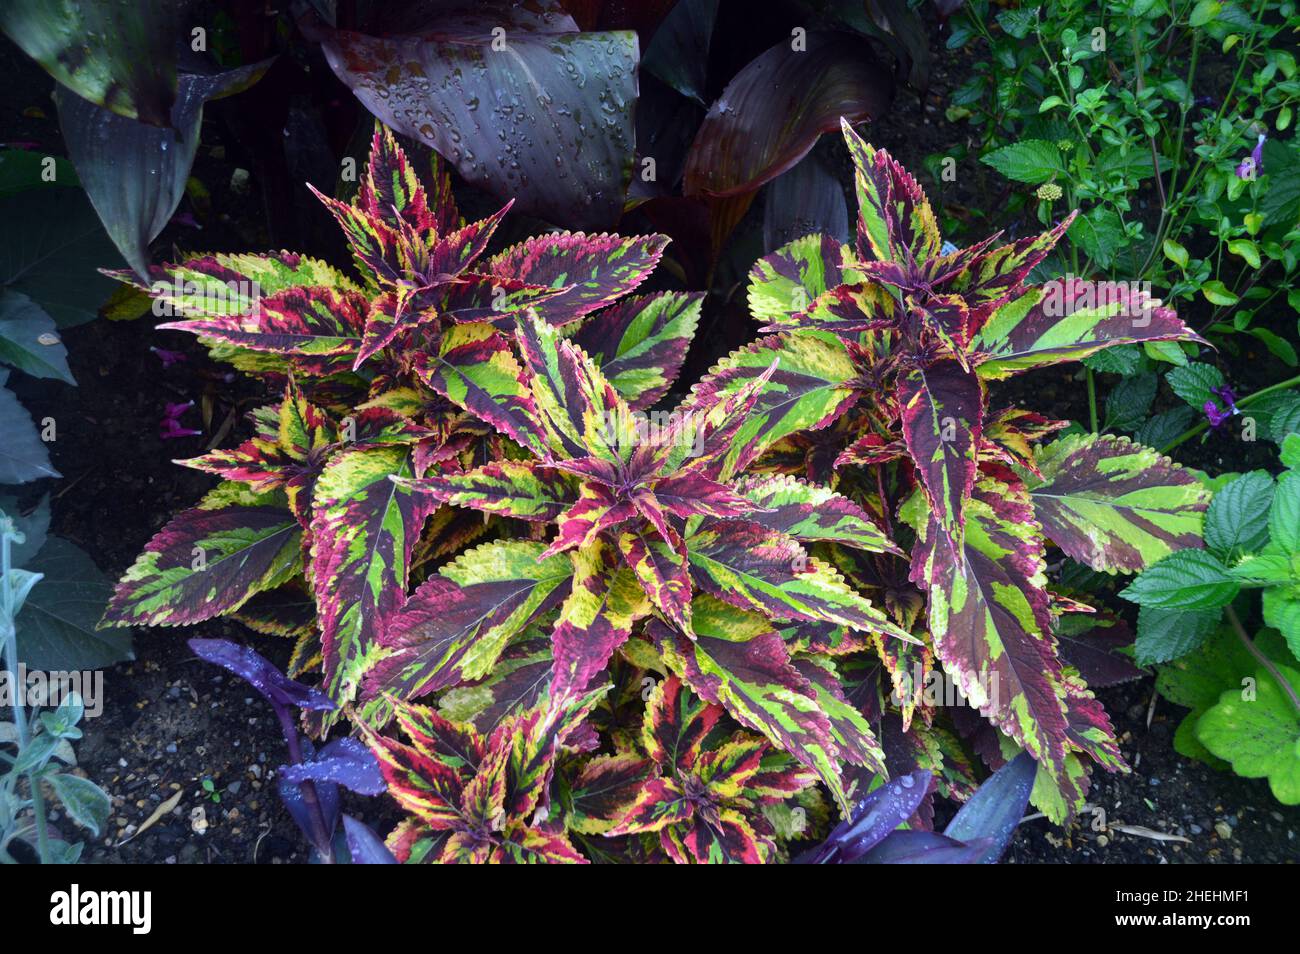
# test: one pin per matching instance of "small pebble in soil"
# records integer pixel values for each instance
(1223, 829)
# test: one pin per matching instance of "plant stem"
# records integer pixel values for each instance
(1263, 660)
(20, 715)
(1193, 431)
(1092, 399)
(308, 789)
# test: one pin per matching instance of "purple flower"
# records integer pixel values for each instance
(1253, 164)
(169, 358)
(1212, 412)
(170, 426)
(1227, 396)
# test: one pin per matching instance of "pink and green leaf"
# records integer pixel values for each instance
(943, 412)
(639, 343)
(455, 626)
(595, 270)
(363, 532)
(210, 560)
(810, 513)
(1116, 505)
(1067, 321)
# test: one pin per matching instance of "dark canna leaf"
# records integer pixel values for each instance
(774, 110)
(561, 102)
(118, 56)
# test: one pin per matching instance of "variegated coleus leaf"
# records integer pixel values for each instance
(391, 190)
(737, 661)
(768, 572)
(809, 389)
(665, 576)
(942, 416)
(951, 295)
(595, 270)
(1116, 505)
(288, 456)
(423, 273)
(475, 368)
(455, 626)
(907, 666)
(364, 529)
(380, 254)
(1067, 320)
(810, 513)
(1090, 730)
(319, 328)
(521, 489)
(639, 343)
(605, 601)
(577, 406)
(1010, 434)
(705, 802)
(223, 284)
(784, 284)
(990, 620)
(849, 312)
(603, 792)
(210, 560)
(895, 222)
(484, 795)
(854, 738)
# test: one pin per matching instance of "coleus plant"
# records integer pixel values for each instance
(483, 431)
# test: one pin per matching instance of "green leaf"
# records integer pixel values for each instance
(1260, 736)
(56, 628)
(1277, 346)
(1188, 579)
(1204, 12)
(1281, 607)
(1129, 402)
(1217, 293)
(1164, 635)
(1193, 382)
(23, 455)
(86, 802)
(1237, 519)
(1175, 253)
(1245, 248)
(1284, 514)
(28, 340)
(55, 260)
(1032, 161)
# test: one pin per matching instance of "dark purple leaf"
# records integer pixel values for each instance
(135, 173)
(882, 811)
(278, 688)
(365, 846)
(539, 113)
(1089, 643)
(327, 796)
(773, 111)
(345, 762)
(806, 199)
(991, 815)
(924, 848)
(679, 51)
